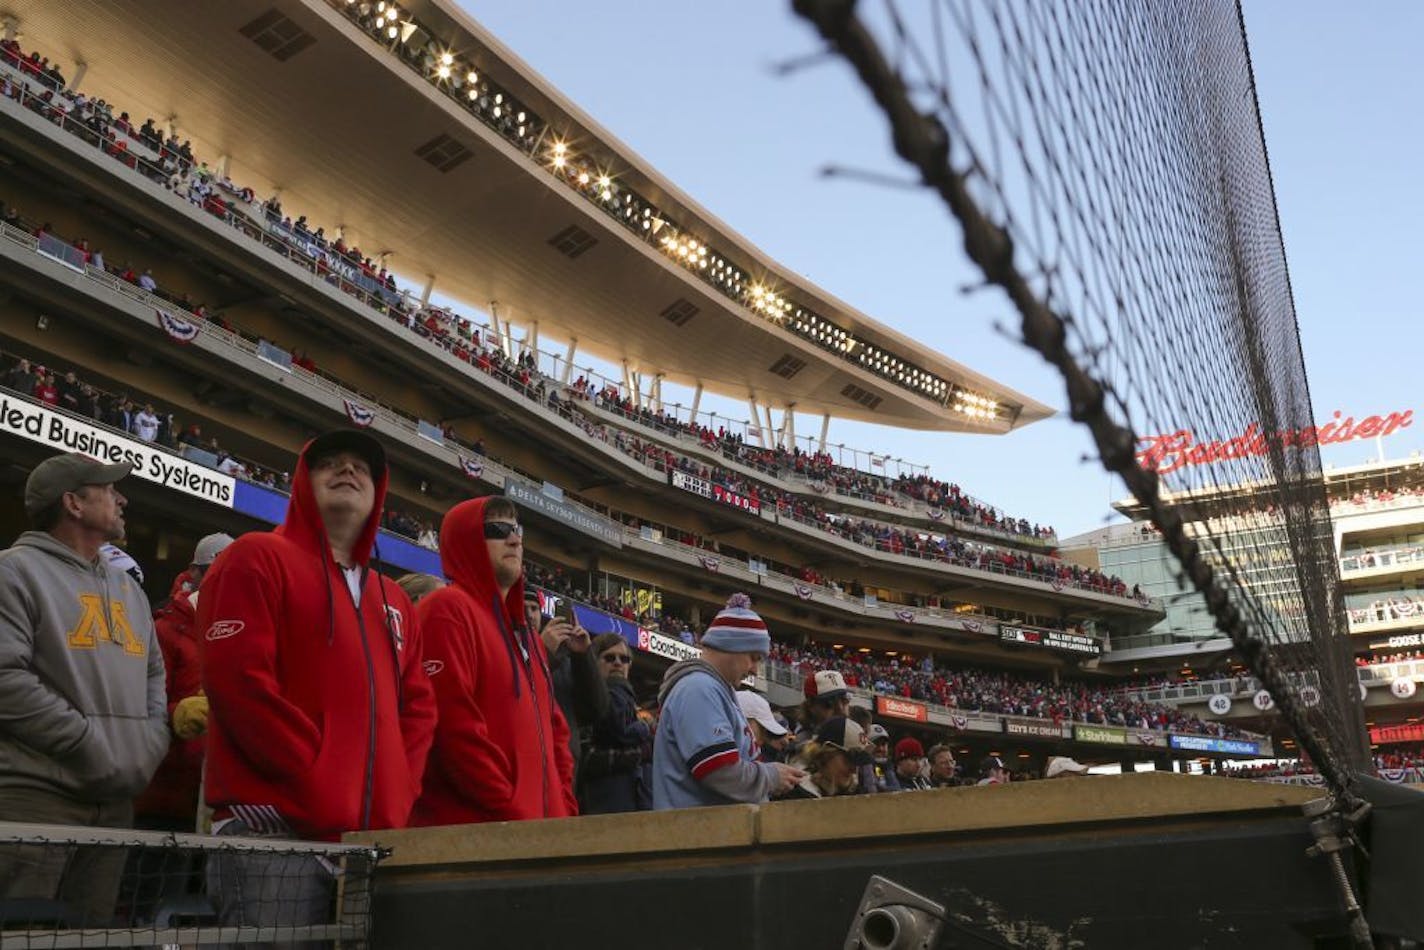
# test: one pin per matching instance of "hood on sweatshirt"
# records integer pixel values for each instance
(49, 544)
(464, 557)
(683, 668)
(303, 524)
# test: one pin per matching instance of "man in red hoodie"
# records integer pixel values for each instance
(321, 712)
(502, 746)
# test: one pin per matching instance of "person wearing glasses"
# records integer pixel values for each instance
(705, 753)
(615, 770)
(501, 748)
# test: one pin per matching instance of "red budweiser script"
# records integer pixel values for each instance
(901, 708)
(1167, 453)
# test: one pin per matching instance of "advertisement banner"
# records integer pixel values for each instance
(1051, 639)
(1047, 730)
(714, 492)
(728, 497)
(563, 512)
(1210, 744)
(1104, 735)
(902, 708)
(650, 641)
(65, 433)
(1412, 732)
(698, 486)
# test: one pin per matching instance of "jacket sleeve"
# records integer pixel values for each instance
(29, 710)
(418, 714)
(157, 735)
(590, 692)
(237, 623)
(474, 763)
(564, 758)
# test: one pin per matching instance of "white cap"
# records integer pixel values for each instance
(755, 707)
(210, 547)
(120, 560)
(1062, 765)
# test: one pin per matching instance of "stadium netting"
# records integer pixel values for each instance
(1107, 167)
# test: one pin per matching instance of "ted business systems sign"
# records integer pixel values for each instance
(65, 433)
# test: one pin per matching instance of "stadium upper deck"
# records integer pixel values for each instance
(419, 135)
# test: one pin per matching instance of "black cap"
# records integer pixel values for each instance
(990, 763)
(348, 440)
(58, 474)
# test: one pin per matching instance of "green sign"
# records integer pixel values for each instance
(1100, 734)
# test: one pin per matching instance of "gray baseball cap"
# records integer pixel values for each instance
(58, 474)
(210, 547)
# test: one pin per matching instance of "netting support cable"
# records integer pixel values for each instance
(924, 142)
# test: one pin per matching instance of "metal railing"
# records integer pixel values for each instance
(1404, 554)
(109, 887)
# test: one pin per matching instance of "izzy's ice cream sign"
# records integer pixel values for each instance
(1167, 453)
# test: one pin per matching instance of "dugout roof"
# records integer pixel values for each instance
(353, 136)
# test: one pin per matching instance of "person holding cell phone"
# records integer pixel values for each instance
(578, 686)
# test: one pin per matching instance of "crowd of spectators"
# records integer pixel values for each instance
(182, 172)
(1379, 659)
(1403, 756)
(820, 470)
(161, 427)
(1367, 499)
(173, 163)
(1001, 693)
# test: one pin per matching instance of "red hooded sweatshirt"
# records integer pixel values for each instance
(172, 795)
(321, 712)
(502, 746)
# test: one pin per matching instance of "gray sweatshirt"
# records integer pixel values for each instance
(82, 705)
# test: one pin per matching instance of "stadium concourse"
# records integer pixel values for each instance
(166, 303)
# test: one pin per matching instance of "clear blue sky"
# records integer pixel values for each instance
(690, 87)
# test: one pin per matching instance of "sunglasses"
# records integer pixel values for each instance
(616, 658)
(499, 530)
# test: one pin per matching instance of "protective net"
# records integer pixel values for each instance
(68, 886)
(1107, 167)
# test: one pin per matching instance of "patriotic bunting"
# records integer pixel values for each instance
(359, 414)
(179, 330)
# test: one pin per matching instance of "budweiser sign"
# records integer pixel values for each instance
(1180, 449)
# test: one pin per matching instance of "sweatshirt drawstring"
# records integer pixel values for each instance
(330, 603)
(509, 643)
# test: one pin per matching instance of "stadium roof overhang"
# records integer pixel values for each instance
(338, 127)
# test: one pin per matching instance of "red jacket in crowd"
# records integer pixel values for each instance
(502, 745)
(321, 712)
(172, 795)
